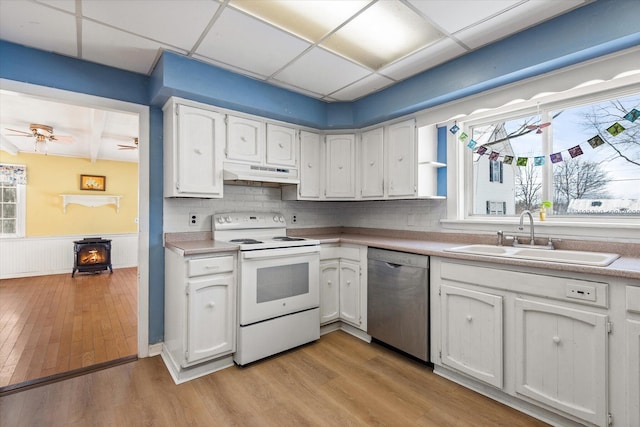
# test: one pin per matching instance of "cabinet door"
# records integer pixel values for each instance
(329, 291)
(350, 292)
(561, 359)
(310, 165)
(472, 333)
(633, 374)
(371, 164)
(281, 145)
(210, 317)
(200, 136)
(401, 158)
(340, 173)
(245, 140)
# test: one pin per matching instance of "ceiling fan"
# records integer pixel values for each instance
(129, 147)
(42, 134)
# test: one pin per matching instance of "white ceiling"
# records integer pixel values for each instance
(131, 34)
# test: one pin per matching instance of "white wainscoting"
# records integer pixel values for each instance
(40, 256)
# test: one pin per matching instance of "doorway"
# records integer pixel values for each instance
(139, 274)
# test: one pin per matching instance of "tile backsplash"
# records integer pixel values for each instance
(419, 215)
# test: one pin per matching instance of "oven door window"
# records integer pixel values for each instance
(280, 282)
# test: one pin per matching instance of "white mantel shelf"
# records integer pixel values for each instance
(90, 200)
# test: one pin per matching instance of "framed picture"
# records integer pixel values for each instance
(93, 182)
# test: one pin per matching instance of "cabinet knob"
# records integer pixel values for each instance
(329, 282)
(197, 151)
(309, 165)
(469, 318)
(372, 163)
(339, 167)
(556, 340)
(243, 139)
(211, 304)
(400, 158)
(281, 145)
(348, 282)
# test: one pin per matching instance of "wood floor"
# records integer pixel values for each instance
(54, 324)
(336, 381)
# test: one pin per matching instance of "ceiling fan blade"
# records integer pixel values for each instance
(21, 132)
(127, 147)
(65, 139)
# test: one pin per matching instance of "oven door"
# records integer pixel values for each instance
(275, 282)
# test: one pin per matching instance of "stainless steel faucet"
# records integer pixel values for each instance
(521, 226)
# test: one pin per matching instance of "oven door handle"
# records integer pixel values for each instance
(280, 252)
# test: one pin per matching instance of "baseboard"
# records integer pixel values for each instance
(155, 349)
(342, 326)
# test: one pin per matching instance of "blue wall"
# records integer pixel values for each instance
(602, 27)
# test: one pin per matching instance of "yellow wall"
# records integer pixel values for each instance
(50, 176)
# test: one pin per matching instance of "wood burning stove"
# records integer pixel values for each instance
(92, 254)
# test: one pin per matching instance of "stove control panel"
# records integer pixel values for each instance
(247, 220)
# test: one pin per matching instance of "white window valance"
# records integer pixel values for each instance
(13, 174)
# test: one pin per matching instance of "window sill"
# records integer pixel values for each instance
(609, 229)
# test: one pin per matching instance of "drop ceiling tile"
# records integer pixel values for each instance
(65, 5)
(369, 84)
(119, 49)
(514, 20)
(177, 23)
(321, 71)
(454, 15)
(228, 67)
(429, 57)
(39, 26)
(245, 42)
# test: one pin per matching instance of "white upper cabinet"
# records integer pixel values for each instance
(310, 165)
(281, 145)
(401, 159)
(372, 164)
(340, 171)
(245, 140)
(193, 149)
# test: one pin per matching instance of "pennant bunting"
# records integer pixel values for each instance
(575, 151)
(596, 141)
(556, 157)
(615, 129)
(632, 115)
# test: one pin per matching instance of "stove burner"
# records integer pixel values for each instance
(245, 241)
(288, 239)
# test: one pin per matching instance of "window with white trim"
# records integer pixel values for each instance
(582, 154)
(12, 200)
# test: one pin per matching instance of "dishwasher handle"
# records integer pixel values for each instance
(392, 265)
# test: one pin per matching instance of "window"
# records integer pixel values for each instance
(496, 208)
(12, 200)
(583, 156)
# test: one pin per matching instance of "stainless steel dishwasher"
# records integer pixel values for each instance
(398, 300)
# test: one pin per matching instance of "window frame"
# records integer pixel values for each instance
(21, 212)
(460, 202)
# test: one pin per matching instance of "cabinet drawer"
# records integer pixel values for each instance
(339, 252)
(633, 299)
(214, 265)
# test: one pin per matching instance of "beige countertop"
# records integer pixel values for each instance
(433, 244)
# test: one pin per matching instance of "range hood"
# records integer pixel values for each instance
(243, 172)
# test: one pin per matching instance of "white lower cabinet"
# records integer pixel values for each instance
(632, 351)
(540, 342)
(472, 333)
(561, 358)
(199, 313)
(342, 288)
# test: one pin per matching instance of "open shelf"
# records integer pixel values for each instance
(90, 200)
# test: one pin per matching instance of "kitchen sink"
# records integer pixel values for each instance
(599, 259)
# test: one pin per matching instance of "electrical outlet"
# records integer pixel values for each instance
(194, 219)
(294, 219)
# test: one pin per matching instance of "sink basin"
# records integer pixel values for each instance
(599, 259)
